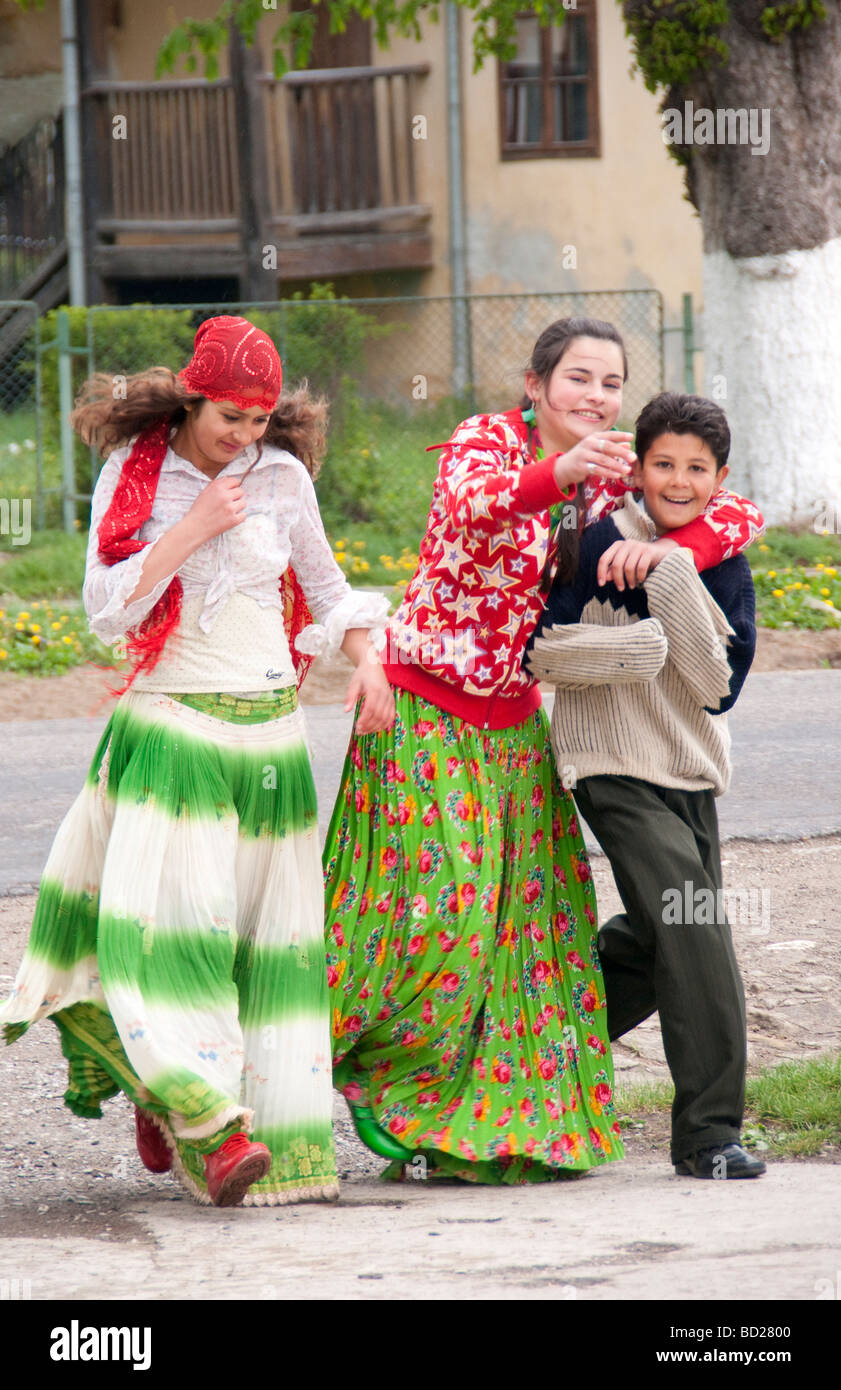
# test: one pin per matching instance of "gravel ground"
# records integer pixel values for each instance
(790, 958)
(81, 1219)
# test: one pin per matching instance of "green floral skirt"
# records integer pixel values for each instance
(467, 1000)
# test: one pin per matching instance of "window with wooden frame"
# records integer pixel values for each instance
(549, 93)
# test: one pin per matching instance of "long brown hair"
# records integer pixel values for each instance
(546, 354)
(298, 422)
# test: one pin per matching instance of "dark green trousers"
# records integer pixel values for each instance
(671, 949)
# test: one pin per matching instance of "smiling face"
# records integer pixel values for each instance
(214, 432)
(582, 395)
(678, 476)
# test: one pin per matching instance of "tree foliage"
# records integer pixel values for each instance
(494, 28)
(677, 41)
(674, 40)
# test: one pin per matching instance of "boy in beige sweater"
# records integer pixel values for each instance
(644, 672)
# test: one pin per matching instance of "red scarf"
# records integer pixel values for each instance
(130, 507)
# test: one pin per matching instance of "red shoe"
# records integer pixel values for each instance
(151, 1145)
(233, 1167)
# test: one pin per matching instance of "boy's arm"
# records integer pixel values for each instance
(710, 642)
(731, 587)
(572, 654)
(584, 654)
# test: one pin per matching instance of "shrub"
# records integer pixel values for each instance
(124, 341)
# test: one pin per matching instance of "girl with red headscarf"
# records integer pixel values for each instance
(178, 937)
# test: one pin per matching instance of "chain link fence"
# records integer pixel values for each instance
(402, 352)
(21, 435)
(398, 367)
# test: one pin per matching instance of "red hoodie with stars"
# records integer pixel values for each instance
(471, 606)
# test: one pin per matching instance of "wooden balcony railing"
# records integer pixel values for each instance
(337, 142)
(340, 152)
(166, 156)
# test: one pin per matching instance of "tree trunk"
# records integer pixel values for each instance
(772, 257)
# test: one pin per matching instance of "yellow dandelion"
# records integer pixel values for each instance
(359, 545)
(798, 585)
(366, 453)
(23, 616)
(778, 593)
(772, 574)
(55, 626)
(67, 639)
(765, 547)
(35, 640)
(2, 654)
(825, 593)
(829, 603)
(819, 565)
(36, 627)
(2, 614)
(19, 627)
(830, 572)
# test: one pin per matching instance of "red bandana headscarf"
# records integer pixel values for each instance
(232, 361)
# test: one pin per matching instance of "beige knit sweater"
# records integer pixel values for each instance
(630, 692)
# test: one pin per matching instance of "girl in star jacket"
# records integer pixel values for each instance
(469, 1031)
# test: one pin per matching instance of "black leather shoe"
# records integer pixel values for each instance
(723, 1161)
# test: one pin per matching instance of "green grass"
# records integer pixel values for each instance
(780, 547)
(18, 478)
(796, 1106)
(792, 1110)
(44, 638)
(633, 1101)
(797, 576)
(52, 565)
(374, 493)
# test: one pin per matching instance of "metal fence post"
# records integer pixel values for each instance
(688, 346)
(40, 511)
(65, 405)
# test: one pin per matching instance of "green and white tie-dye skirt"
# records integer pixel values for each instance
(178, 938)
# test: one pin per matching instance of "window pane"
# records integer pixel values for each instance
(569, 47)
(527, 61)
(523, 90)
(570, 109)
(545, 90)
(523, 113)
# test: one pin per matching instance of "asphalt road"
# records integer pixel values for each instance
(80, 1219)
(786, 757)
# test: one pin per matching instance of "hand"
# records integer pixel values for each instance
(219, 507)
(369, 684)
(605, 454)
(628, 562)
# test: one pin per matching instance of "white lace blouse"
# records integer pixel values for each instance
(230, 637)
